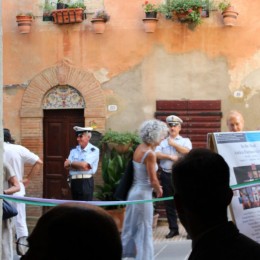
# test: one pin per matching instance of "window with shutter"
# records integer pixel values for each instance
(200, 117)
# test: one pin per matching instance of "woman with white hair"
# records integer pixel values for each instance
(137, 234)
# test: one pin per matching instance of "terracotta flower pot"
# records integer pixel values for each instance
(230, 16)
(69, 15)
(150, 24)
(182, 17)
(24, 23)
(118, 215)
(120, 148)
(98, 25)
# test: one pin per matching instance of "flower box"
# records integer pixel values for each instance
(69, 15)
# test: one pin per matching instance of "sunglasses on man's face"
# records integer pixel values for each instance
(173, 124)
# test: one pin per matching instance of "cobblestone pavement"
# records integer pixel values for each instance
(162, 230)
(176, 248)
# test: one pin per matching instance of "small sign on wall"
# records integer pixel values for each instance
(238, 94)
(112, 108)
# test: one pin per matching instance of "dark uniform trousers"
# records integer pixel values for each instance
(82, 189)
(166, 182)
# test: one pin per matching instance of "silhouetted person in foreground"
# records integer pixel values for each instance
(202, 195)
(74, 231)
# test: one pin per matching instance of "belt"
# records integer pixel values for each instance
(81, 176)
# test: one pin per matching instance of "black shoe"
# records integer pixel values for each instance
(172, 233)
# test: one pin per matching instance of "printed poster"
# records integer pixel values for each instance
(241, 150)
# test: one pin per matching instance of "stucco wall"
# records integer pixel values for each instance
(166, 76)
(134, 67)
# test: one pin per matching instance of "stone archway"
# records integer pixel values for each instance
(31, 114)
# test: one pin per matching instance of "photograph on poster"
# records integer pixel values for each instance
(241, 151)
(249, 197)
(247, 173)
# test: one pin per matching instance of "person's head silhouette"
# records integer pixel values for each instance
(201, 185)
(74, 231)
(202, 195)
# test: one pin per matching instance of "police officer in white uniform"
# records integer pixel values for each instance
(82, 164)
(168, 152)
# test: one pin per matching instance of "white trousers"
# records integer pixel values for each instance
(21, 229)
(7, 239)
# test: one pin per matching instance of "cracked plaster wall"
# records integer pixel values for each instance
(164, 76)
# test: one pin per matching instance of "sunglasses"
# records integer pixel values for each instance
(173, 124)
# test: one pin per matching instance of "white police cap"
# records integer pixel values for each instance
(82, 129)
(173, 119)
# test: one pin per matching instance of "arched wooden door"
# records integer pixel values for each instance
(59, 138)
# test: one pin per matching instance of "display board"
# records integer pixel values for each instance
(241, 150)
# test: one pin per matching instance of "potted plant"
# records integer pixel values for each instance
(150, 20)
(228, 13)
(186, 11)
(120, 141)
(24, 22)
(99, 21)
(150, 9)
(113, 167)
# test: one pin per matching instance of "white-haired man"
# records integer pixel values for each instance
(235, 121)
(82, 164)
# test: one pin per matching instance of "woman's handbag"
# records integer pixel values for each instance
(9, 210)
(125, 182)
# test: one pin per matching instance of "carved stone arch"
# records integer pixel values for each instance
(31, 113)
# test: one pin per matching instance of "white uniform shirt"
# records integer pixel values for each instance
(165, 148)
(89, 154)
